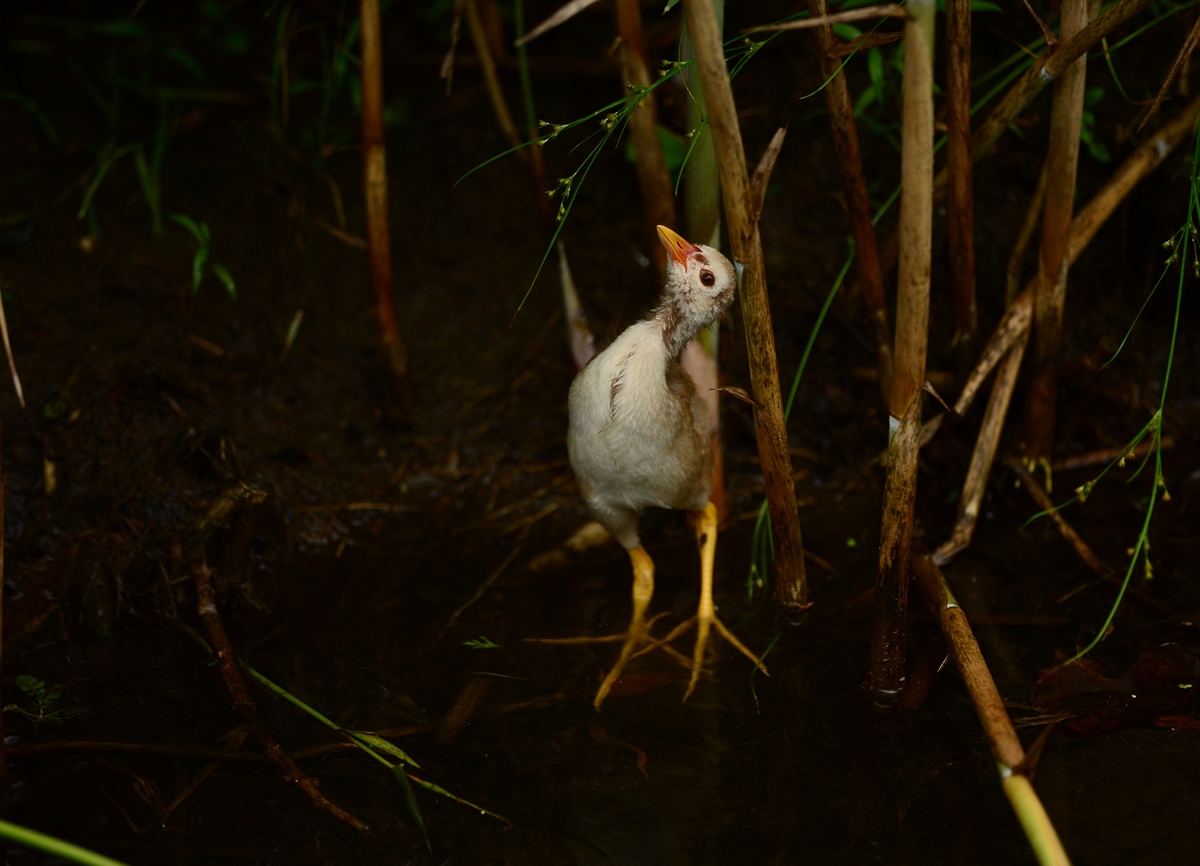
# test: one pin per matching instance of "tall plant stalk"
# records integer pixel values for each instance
(702, 219)
(1001, 736)
(375, 183)
(912, 335)
(1066, 120)
(958, 165)
(845, 142)
(1011, 335)
(658, 201)
(791, 586)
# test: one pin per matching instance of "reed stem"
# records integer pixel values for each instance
(375, 182)
(791, 586)
(912, 335)
(658, 201)
(997, 727)
(845, 142)
(1062, 160)
(958, 166)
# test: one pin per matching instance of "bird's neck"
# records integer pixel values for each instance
(678, 324)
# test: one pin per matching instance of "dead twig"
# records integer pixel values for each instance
(1189, 45)
(232, 676)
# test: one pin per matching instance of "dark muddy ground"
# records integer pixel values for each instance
(144, 403)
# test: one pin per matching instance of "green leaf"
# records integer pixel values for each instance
(188, 223)
(875, 70)
(481, 642)
(375, 741)
(985, 6)
(410, 799)
(846, 31)
(198, 262)
(671, 4)
(865, 99)
(226, 278)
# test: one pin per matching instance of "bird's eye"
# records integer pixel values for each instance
(707, 278)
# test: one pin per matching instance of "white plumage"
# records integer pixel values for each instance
(640, 436)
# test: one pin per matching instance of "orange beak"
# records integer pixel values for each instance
(677, 248)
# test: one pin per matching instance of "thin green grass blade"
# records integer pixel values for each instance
(54, 846)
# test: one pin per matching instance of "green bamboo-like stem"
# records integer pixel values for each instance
(701, 179)
(791, 585)
(658, 201)
(912, 336)
(702, 225)
(1001, 736)
(958, 165)
(375, 182)
(845, 142)
(1066, 119)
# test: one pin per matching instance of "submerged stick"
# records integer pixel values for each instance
(791, 587)
(1001, 736)
(845, 142)
(958, 166)
(375, 184)
(232, 677)
(1062, 160)
(908, 378)
(984, 454)
(1044, 502)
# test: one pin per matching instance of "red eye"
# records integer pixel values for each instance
(707, 278)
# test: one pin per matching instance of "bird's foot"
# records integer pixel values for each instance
(704, 625)
(636, 640)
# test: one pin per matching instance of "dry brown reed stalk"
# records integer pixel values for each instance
(958, 166)
(1048, 67)
(791, 585)
(375, 184)
(1148, 156)
(487, 65)
(984, 454)
(1181, 61)
(1062, 160)
(912, 336)
(845, 142)
(1012, 274)
(1009, 340)
(658, 201)
(1001, 736)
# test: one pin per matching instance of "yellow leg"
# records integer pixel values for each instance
(638, 633)
(706, 614)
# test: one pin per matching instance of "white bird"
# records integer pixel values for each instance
(639, 435)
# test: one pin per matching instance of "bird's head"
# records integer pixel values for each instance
(700, 283)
